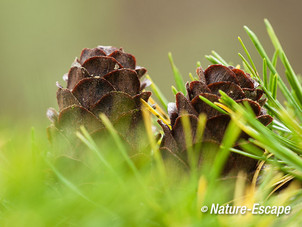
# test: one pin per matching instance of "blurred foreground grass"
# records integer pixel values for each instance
(38, 189)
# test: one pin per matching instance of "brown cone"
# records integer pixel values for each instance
(104, 80)
(235, 83)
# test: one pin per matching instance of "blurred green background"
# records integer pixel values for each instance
(40, 39)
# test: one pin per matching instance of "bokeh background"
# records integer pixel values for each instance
(40, 39)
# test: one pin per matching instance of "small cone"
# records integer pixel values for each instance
(104, 80)
(235, 83)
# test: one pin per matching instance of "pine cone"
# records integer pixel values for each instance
(104, 80)
(235, 83)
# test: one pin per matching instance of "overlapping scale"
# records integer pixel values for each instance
(89, 53)
(65, 98)
(217, 73)
(90, 90)
(125, 80)
(114, 104)
(100, 66)
(75, 74)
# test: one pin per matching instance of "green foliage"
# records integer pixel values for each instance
(102, 185)
(284, 140)
(157, 92)
(180, 85)
(48, 190)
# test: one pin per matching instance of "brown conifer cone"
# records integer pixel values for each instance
(104, 80)
(235, 83)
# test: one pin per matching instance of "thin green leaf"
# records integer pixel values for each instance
(275, 58)
(212, 104)
(292, 77)
(231, 134)
(247, 154)
(282, 85)
(254, 74)
(246, 69)
(188, 140)
(158, 93)
(86, 138)
(119, 144)
(174, 90)
(198, 64)
(177, 76)
(213, 60)
(202, 119)
(264, 71)
(68, 183)
(274, 86)
(248, 56)
(274, 62)
(191, 77)
(265, 137)
(217, 56)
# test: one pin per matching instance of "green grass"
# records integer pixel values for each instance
(40, 189)
(43, 184)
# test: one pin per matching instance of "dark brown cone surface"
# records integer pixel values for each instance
(104, 80)
(235, 83)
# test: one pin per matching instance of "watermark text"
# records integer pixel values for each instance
(256, 209)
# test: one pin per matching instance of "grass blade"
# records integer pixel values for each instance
(264, 71)
(191, 77)
(274, 90)
(254, 73)
(198, 64)
(218, 57)
(119, 144)
(230, 136)
(174, 90)
(292, 77)
(212, 104)
(281, 84)
(213, 60)
(158, 93)
(177, 76)
(248, 55)
(275, 57)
